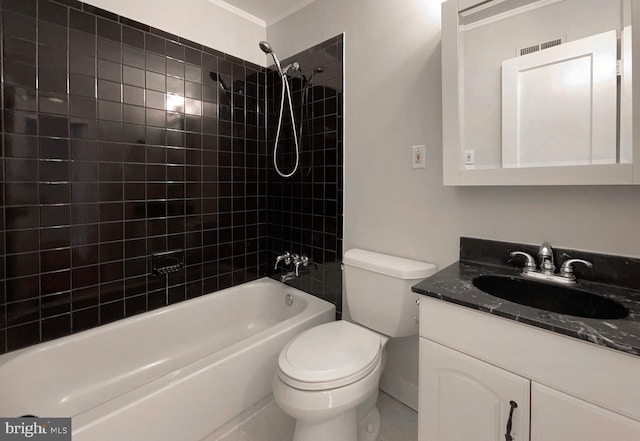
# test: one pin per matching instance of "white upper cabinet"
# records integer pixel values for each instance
(540, 92)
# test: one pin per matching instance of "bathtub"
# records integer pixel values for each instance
(176, 374)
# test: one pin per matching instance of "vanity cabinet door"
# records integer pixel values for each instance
(558, 416)
(465, 399)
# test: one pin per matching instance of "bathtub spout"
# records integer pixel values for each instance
(288, 276)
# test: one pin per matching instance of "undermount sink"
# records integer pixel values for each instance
(551, 297)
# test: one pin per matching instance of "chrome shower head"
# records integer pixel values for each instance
(292, 68)
(266, 47)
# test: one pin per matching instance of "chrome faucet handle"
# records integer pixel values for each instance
(302, 261)
(529, 264)
(546, 258)
(566, 270)
(286, 257)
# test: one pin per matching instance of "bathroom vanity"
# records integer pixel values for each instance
(495, 369)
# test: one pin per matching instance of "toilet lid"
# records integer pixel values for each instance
(337, 352)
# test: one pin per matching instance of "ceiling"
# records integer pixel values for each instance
(267, 11)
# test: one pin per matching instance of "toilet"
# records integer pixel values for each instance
(328, 376)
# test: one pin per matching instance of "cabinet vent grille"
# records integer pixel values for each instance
(530, 49)
(551, 43)
(540, 46)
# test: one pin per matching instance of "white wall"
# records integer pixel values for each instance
(197, 20)
(393, 101)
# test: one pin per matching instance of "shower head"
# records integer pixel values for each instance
(266, 47)
(307, 79)
(293, 68)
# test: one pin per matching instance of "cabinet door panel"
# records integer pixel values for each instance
(465, 399)
(558, 416)
(557, 109)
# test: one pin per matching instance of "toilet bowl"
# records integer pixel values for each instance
(327, 379)
(328, 376)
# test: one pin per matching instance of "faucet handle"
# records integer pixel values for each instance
(529, 264)
(566, 270)
(302, 261)
(286, 257)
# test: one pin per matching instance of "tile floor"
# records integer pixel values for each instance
(399, 423)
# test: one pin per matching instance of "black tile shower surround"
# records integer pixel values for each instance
(305, 211)
(120, 140)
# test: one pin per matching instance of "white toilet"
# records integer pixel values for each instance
(328, 376)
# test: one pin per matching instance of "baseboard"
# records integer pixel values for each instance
(400, 389)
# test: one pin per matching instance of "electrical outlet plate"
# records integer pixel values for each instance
(418, 160)
(468, 157)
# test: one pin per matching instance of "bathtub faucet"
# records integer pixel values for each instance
(302, 261)
(286, 257)
(297, 261)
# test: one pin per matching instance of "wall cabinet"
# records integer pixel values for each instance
(531, 94)
(467, 387)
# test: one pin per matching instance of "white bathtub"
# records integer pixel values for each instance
(175, 374)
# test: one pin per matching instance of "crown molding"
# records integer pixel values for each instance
(239, 12)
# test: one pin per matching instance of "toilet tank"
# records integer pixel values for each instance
(378, 291)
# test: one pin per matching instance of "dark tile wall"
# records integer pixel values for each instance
(305, 211)
(120, 140)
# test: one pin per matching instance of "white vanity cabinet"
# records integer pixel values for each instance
(463, 398)
(473, 365)
(558, 416)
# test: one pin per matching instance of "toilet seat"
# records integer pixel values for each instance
(329, 356)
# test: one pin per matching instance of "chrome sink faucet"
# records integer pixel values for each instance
(548, 267)
(545, 253)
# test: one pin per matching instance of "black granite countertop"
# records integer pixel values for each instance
(455, 284)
